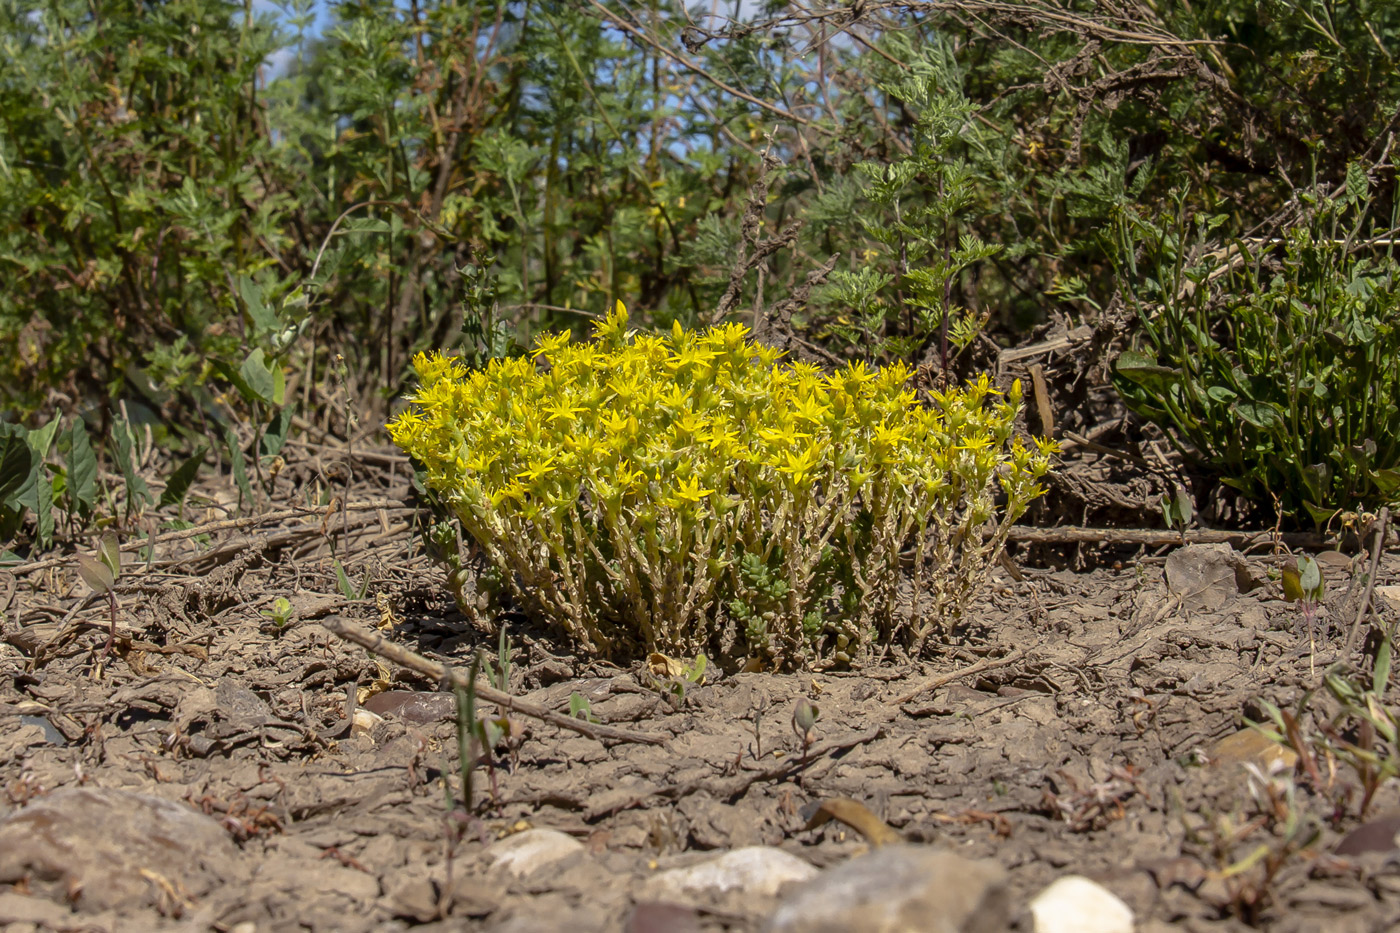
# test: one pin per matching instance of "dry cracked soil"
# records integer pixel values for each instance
(217, 772)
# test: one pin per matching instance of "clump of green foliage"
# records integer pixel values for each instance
(688, 493)
(1274, 360)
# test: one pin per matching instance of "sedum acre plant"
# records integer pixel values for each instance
(688, 493)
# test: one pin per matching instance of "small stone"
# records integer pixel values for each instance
(754, 871)
(1206, 577)
(1250, 746)
(900, 889)
(653, 917)
(413, 706)
(525, 853)
(1379, 835)
(1075, 904)
(111, 848)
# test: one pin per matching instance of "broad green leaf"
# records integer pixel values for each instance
(1387, 481)
(1320, 516)
(41, 439)
(95, 573)
(16, 463)
(1259, 414)
(235, 377)
(259, 377)
(82, 466)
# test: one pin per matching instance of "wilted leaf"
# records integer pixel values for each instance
(662, 666)
(855, 815)
(95, 573)
(1292, 585)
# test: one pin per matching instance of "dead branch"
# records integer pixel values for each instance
(398, 654)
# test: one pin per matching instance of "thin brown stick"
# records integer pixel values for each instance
(223, 524)
(1377, 545)
(400, 655)
(985, 664)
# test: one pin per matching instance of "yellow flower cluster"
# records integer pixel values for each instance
(617, 484)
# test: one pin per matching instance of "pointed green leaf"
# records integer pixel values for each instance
(137, 492)
(1380, 674)
(41, 439)
(275, 436)
(238, 466)
(82, 467)
(178, 486)
(264, 318)
(110, 554)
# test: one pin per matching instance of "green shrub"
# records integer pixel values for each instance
(688, 494)
(1277, 360)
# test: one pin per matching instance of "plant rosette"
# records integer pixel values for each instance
(690, 493)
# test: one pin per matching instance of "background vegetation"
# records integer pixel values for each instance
(223, 225)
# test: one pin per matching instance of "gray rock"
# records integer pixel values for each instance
(1207, 577)
(753, 871)
(523, 854)
(900, 889)
(1074, 904)
(101, 849)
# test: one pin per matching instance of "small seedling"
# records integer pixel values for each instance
(499, 673)
(101, 573)
(347, 589)
(466, 735)
(1176, 510)
(804, 722)
(580, 708)
(1304, 584)
(672, 678)
(280, 615)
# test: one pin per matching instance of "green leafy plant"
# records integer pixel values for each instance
(618, 486)
(1303, 584)
(1274, 360)
(281, 614)
(1177, 509)
(1250, 846)
(348, 589)
(580, 708)
(1359, 732)
(898, 300)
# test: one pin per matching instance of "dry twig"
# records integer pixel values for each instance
(400, 655)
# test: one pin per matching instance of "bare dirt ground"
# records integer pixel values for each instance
(1084, 721)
